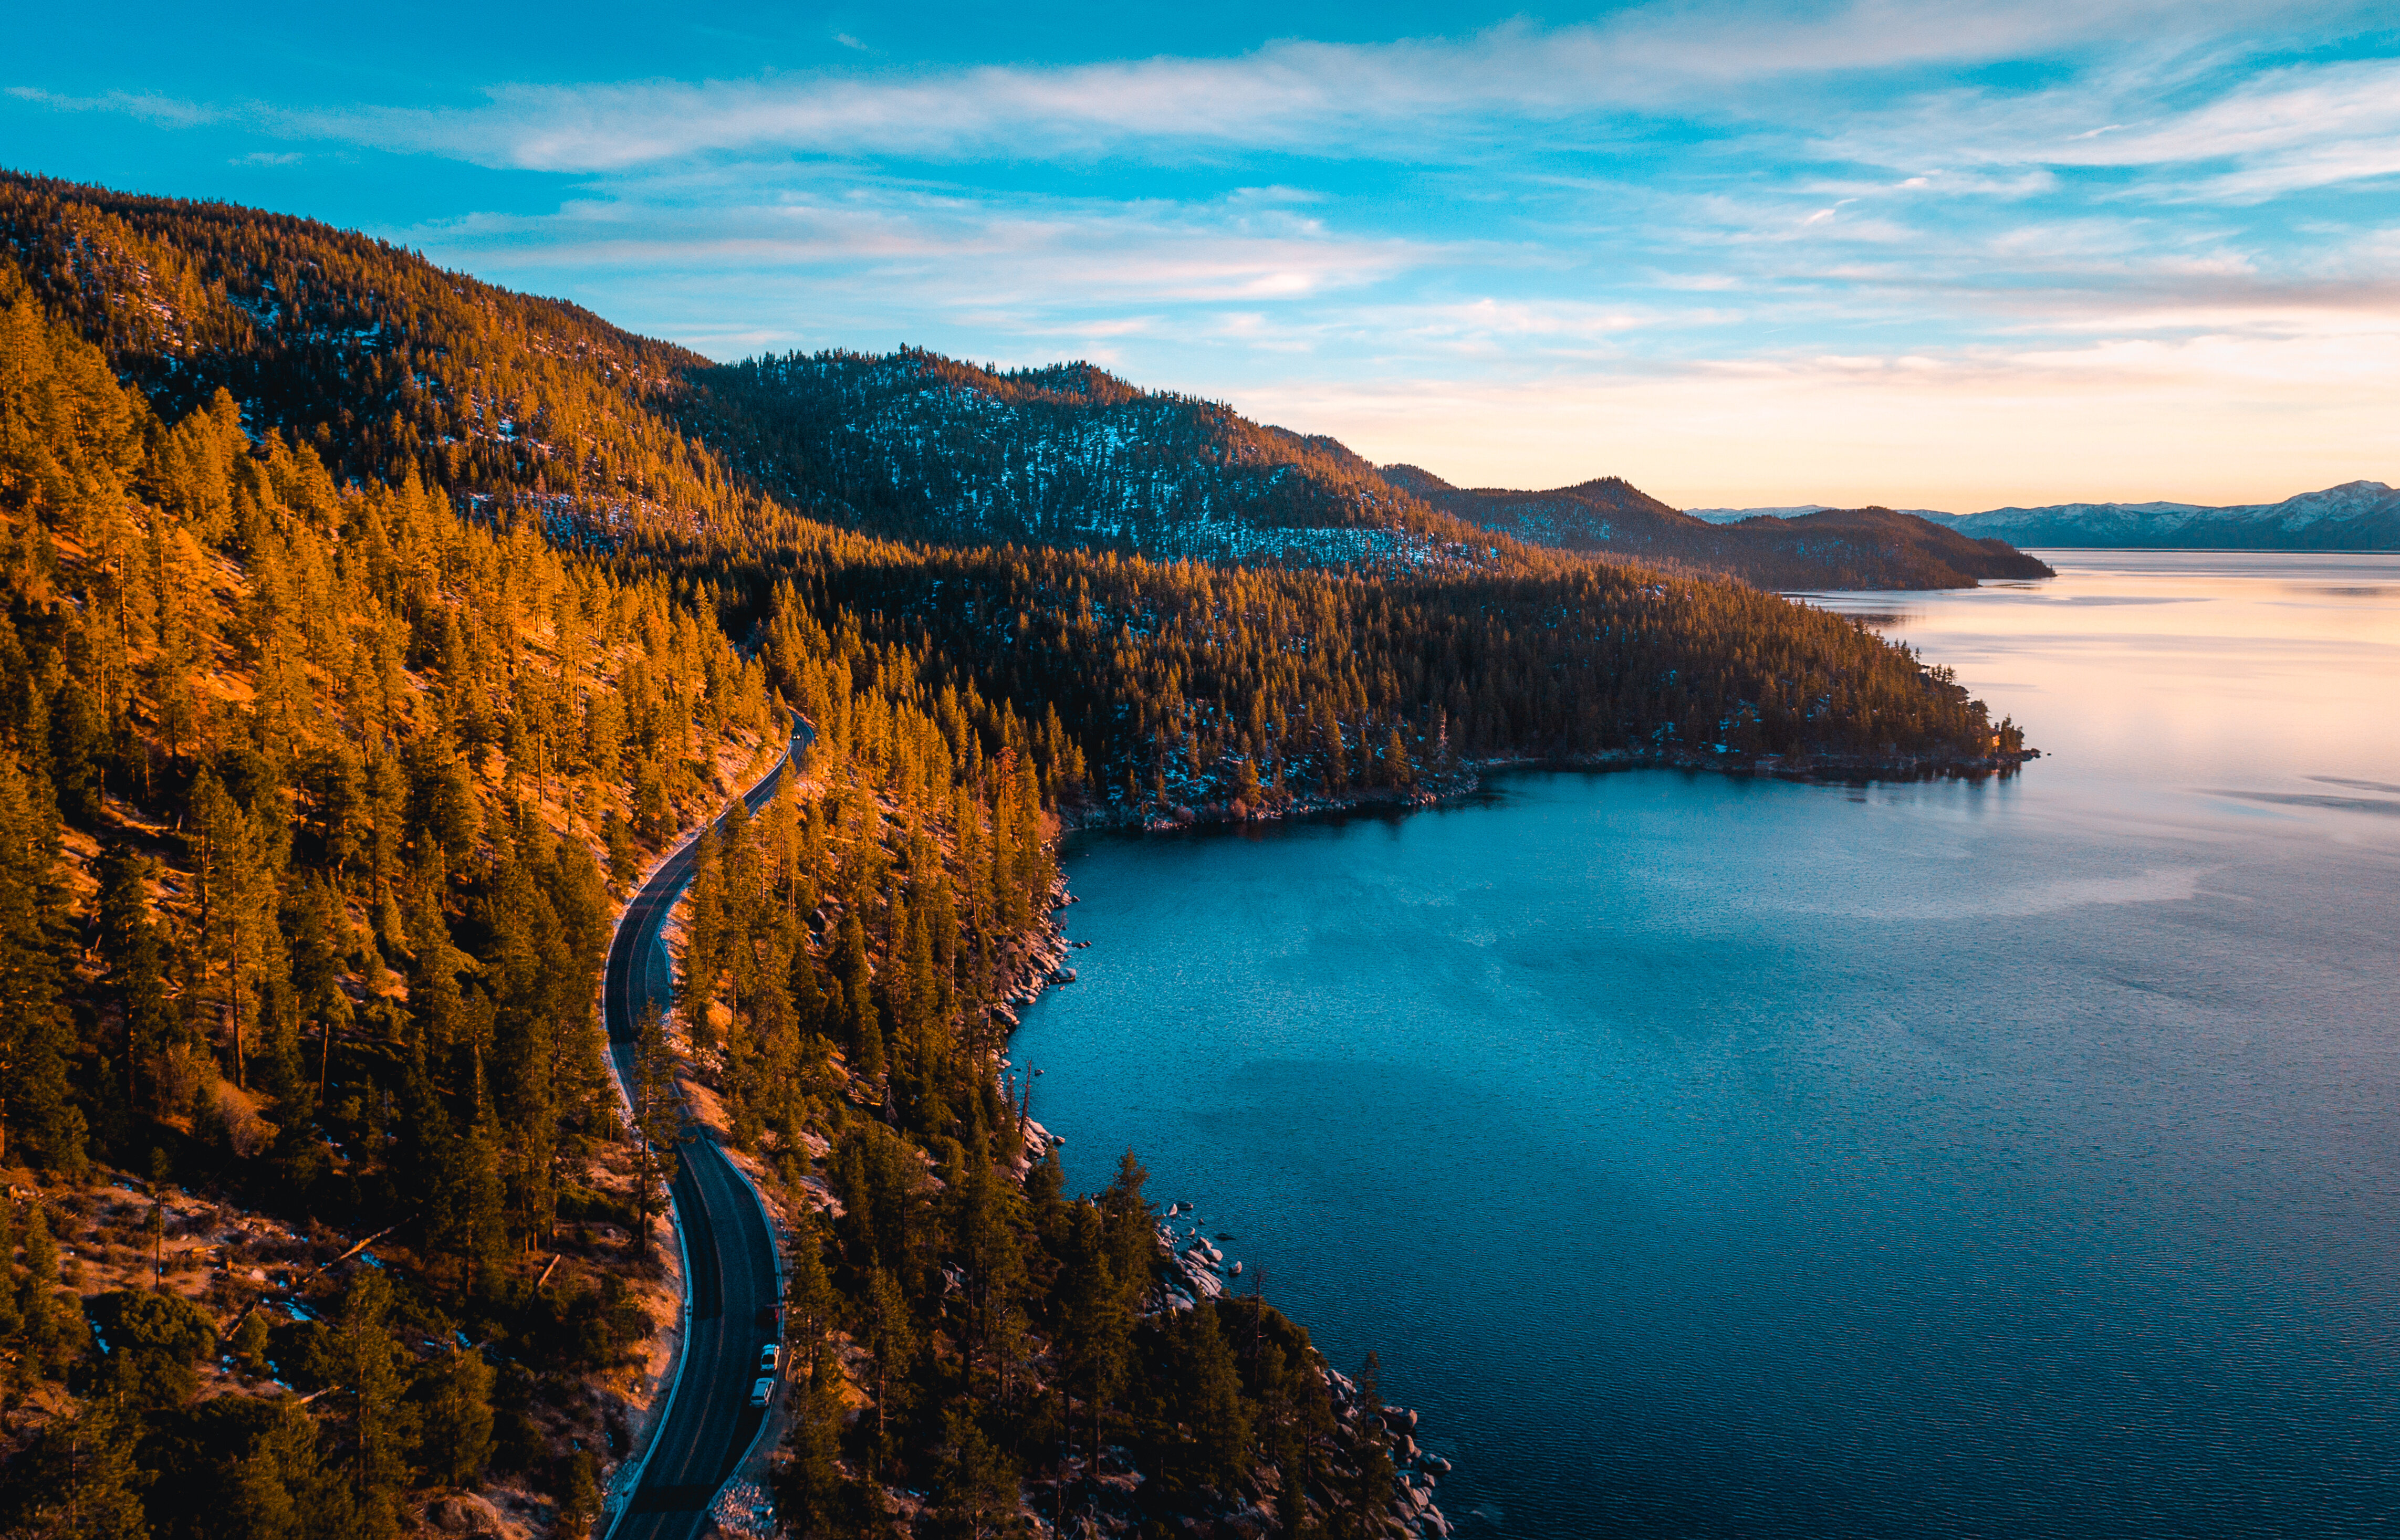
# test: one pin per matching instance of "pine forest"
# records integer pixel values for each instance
(372, 632)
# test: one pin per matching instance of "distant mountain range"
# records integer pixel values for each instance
(1815, 548)
(2353, 516)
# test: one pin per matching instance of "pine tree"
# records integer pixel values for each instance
(37, 1299)
(808, 1484)
(811, 1304)
(456, 1396)
(12, 1320)
(979, 1488)
(578, 1497)
(237, 915)
(859, 1028)
(657, 1115)
(153, 1342)
(133, 965)
(1211, 1393)
(81, 1483)
(364, 1361)
(315, 959)
(36, 1095)
(885, 1329)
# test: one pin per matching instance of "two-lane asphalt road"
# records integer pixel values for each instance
(729, 1251)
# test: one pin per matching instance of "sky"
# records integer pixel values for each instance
(1950, 255)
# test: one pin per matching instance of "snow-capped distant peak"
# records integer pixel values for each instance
(2360, 515)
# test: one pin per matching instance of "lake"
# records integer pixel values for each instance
(1709, 1156)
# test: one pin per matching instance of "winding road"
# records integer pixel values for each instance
(730, 1273)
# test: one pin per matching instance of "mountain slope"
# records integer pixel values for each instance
(382, 362)
(2356, 516)
(1833, 548)
(387, 365)
(925, 447)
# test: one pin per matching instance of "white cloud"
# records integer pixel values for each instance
(1722, 61)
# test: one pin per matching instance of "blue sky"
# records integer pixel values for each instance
(1935, 256)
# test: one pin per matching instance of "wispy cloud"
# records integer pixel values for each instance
(143, 106)
(1316, 97)
(1870, 242)
(1095, 251)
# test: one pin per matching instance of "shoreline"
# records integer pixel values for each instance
(1194, 1270)
(1824, 768)
(1191, 1269)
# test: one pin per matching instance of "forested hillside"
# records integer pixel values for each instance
(1188, 686)
(299, 807)
(369, 630)
(387, 365)
(926, 447)
(1831, 548)
(381, 362)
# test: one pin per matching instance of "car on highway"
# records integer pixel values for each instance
(763, 1391)
(768, 1358)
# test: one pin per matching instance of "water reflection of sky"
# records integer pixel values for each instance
(2199, 684)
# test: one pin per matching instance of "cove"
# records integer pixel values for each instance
(1715, 1156)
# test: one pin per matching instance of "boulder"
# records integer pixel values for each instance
(463, 1513)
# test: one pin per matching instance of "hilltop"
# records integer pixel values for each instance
(1820, 548)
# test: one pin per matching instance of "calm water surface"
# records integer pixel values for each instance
(1724, 1158)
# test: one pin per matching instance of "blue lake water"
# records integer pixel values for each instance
(1721, 1157)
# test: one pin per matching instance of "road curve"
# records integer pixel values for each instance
(729, 1254)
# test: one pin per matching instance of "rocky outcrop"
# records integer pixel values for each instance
(1193, 1269)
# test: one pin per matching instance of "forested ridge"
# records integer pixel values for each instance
(930, 448)
(369, 631)
(1185, 684)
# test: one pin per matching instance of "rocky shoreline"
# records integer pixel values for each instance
(1197, 1271)
(1193, 1269)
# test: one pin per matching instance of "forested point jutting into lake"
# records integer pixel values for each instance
(371, 629)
